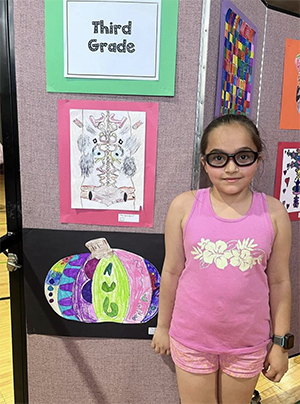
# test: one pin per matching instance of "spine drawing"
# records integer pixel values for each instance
(108, 148)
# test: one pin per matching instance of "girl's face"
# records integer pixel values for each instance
(230, 179)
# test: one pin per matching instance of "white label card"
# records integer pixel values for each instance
(123, 217)
(151, 330)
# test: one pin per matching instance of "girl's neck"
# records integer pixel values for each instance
(231, 206)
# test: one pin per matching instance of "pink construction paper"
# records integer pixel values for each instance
(106, 217)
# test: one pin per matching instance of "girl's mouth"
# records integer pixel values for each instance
(231, 180)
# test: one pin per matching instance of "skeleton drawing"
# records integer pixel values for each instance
(107, 159)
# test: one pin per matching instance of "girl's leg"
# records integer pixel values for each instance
(197, 388)
(234, 390)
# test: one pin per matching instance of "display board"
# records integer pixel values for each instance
(82, 366)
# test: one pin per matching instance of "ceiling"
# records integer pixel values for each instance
(288, 6)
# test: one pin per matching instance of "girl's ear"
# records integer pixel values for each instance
(260, 158)
(203, 162)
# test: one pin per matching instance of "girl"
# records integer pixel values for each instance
(225, 275)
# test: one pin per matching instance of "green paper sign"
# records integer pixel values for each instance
(111, 45)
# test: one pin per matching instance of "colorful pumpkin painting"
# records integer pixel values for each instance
(105, 285)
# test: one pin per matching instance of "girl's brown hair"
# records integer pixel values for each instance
(228, 120)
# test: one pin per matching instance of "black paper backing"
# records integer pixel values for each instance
(43, 248)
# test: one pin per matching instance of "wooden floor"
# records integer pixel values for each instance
(6, 379)
(285, 392)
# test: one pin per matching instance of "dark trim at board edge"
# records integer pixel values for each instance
(281, 10)
(293, 355)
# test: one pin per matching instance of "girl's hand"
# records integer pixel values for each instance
(161, 341)
(276, 363)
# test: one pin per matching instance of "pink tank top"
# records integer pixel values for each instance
(222, 299)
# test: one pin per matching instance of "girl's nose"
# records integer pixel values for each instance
(231, 166)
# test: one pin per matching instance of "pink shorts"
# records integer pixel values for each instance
(241, 366)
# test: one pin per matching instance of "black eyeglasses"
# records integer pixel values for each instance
(241, 158)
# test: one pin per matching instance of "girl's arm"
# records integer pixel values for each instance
(172, 268)
(276, 363)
